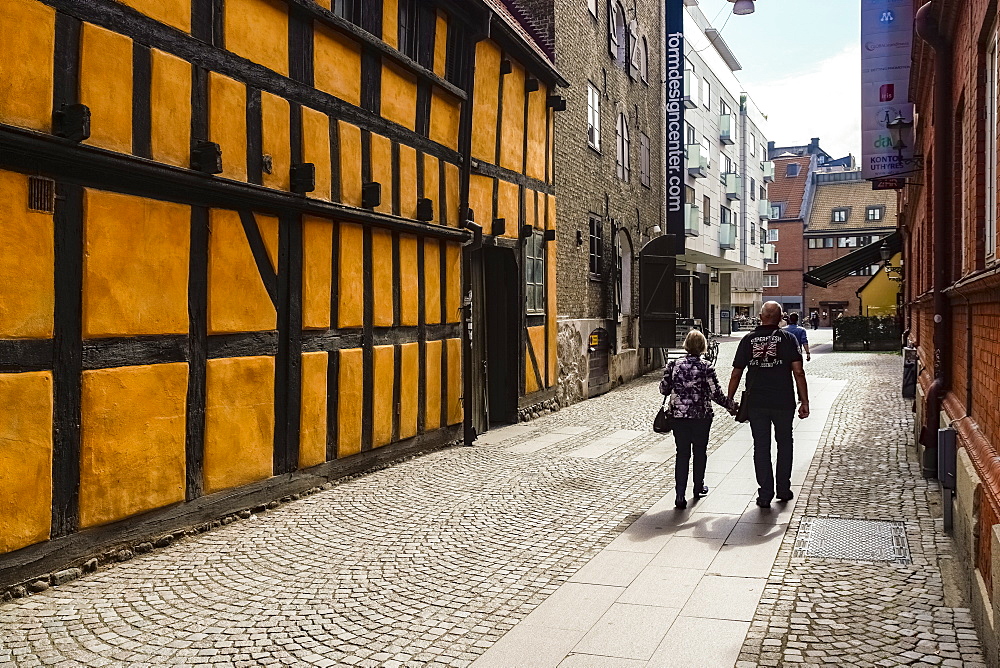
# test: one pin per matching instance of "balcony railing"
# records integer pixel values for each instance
(697, 164)
(734, 186)
(768, 168)
(727, 130)
(764, 209)
(690, 90)
(727, 236)
(769, 253)
(692, 220)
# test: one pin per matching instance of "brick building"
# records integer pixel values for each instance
(948, 216)
(791, 193)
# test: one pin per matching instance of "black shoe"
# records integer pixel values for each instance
(786, 497)
(762, 503)
(701, 492)
(680, 503)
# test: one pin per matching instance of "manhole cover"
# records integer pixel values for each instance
(853, 540)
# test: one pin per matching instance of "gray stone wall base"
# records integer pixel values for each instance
(965, 536)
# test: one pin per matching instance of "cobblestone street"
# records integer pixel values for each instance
(440, 560)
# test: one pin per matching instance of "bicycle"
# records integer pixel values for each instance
(712, 352)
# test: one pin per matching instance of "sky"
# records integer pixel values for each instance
(802, 66)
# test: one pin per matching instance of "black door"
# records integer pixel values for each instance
(598, 364)
(502, 326)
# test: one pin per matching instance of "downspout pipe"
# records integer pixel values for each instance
(928, 29)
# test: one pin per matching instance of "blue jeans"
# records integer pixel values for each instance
(691, 434)
(761, 420)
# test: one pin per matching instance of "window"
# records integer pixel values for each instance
(992, 99)
(623, 161)
(775, 260)
(847, 242)
(763, 192)
(727, 167)
(408, 28)
(345, 9)
(827, 242)
(534, 273)
(752, 144)
(874, 213)
(776, 211)
(593, 116)
(617, 35)
(753, 235)
(592, 6)
(840, 215)
(772, 234)
(644, 59)
(791, 170)
(865, 240)
(706, 210)
(691, 136)
(723, 107)
(725, 215)
(706, 151)
(708, 94)
(596, 243)
(753, 187)
(770, 280)
(644, 161)
(822, 242)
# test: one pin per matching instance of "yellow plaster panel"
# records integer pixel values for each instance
(512, 124)
(132, 434)
(481, 200)
(316, 149)
(25, 459)
(350, 164)
(170, 109)
(106, 87)
(407, 182)
(530, 211)
(258, 31)
(409, 285)
(432, 185)
(176, 13)
(237, 299)
(27, 261)
(537, 117)
(537, 338)
(135, 265)
(312, 420)
(550, 213)
(26, 64)
(317, 272)
(399, 96)
(440, 44)
(508, 206)
(350, 402)
(409, 389)
(550, 287)
(445, 115)
(276, 141)
(382, 170)
(454, 381)
(382, 408)
(382, 277)
(323, 3)
(432, 281)
(390, 23)
(337, 65)
(239, 421)
(268, 226)
(351, 284)
(432, 392)
(486, 101)
(451, 181)
(227, 123)
(453, 277)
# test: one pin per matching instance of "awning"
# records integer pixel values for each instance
(831, 272)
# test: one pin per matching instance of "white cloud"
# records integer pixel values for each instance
(824, 102)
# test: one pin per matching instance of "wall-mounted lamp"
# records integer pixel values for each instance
(898, 128)
(886, 254)
(741, 7)
(72, 121)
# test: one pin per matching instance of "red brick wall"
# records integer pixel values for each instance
(790, 266)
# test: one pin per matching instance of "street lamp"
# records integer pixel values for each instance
(741, 7)
(897, 128)
(886, 254)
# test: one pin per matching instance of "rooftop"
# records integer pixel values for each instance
(855, 196)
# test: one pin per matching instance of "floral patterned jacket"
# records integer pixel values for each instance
(692, 385)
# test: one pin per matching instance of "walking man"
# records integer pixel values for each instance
(814, 319)
(772, 358)
(799, 333)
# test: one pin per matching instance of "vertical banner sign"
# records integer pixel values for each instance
(886, 42)
(676, 172)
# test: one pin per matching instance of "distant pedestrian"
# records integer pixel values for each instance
(692, 385)
(771, 357)
(814, 319)
(799, 333)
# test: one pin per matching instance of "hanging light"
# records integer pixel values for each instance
(742, 7)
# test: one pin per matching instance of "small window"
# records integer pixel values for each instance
(346, 10)
(827, 242)
(991, 97)
(592, 6)
(408, 28)
(753, 145)
(792, 170)
(593, 117)
(644, 160)
(706, 151)
(814, 243)
(847, 242)
(596, 244)
(770, 280)
(534, 273)
(707, 100)
(763, 192)
(775, 260)
(775, 211)
(692, 135)
(706, 210)
(644, 60)
(725, 215)
(839, 215)
(623, 161)
(617, 33)
(874, 213)
(772, 234)
(753, 187)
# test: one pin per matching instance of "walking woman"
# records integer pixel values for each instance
(692, 385)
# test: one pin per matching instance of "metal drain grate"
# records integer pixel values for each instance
(852, 540)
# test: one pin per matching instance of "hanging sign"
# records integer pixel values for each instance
(675, 134)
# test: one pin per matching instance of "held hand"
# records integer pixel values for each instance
(734, 408)
(803, 410)
(808, 357)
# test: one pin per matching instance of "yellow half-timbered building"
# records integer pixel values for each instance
(251, 245)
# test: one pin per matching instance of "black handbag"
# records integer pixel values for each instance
(743, 414)
(663, 423)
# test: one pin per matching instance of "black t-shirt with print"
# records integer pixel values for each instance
(767, 354)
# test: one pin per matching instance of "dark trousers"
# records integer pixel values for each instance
(691, 434)
(761, 420)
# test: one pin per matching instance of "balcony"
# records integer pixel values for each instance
(692, 220)
(764, 209)
(769, 253)
(727, 129)
(768, 168)
(734, 186)
(727, 236)
(697, 164)
(690, 90)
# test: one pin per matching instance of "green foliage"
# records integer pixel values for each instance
(859, 332)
